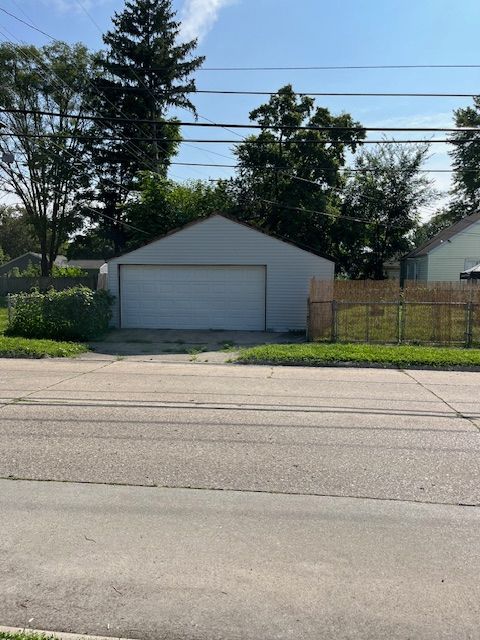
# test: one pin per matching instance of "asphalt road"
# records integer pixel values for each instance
(205, 502)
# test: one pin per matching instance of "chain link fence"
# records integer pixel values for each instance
(417, 314)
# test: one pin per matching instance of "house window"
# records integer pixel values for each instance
(471, 262)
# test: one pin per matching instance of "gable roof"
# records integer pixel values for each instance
(235, 221)
(444, 236)
(85, 263)
(31, 255)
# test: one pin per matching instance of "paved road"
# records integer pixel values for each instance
(258, 502)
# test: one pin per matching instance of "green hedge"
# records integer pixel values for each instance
(74, 314)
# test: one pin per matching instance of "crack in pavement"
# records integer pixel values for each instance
(153, 485)
(25, 398)
(459, 414)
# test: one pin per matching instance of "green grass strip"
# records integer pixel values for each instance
(317, 355)
(25, 635)
(27, 348)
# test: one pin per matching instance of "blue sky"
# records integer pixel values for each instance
(307, 32)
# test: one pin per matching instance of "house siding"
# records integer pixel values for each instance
(422, 268)
(416, 269)
(447, 261)
(219, 241)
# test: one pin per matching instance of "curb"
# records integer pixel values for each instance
(59, 634)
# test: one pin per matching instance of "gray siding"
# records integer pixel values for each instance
(422, 268)
(447, 261)
(219, 241)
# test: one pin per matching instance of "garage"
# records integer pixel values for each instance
(215, 273)
(193, 297)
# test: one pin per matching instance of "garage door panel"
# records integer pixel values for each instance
(193, 297)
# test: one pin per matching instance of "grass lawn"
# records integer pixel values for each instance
(24, 635)
(316, 354)
(11, 347)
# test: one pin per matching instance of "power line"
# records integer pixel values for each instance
(58, 136)
(335, 67)
(129, 146)
(84, 206)
(333, 169)
(28, 24)
(248, 140)
(326, 214)
(101, 213)
(32, 26)
(344, 67)
(293, 68)
(369, 94)
(347, 94)
(97, 26)
(223, 125)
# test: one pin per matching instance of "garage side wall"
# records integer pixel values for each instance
(219, 241)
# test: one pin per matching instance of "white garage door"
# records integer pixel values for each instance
(193, 297)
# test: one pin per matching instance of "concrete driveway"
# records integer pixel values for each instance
(174, 345)
(193, 501)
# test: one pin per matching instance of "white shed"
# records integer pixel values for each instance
(215, 273)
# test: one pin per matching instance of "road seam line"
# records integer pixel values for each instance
(232, 490)
(50, 386)
(459, 414)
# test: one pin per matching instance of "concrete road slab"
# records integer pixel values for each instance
(451, 378)
(196, 369)
(248, 401)
(467, 409)
(257, 371)
(434, 460)
(454, 393)
(163, 381)
(51, 365)
(39, 413)
(202, 565)
(22, 377)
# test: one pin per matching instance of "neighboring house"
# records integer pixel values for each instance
(215, 273)
(392, 269)
(24, 261)
(92, 267)
(447, 254)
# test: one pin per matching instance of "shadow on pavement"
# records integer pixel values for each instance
(144, 342)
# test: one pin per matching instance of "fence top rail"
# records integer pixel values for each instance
(354, 303)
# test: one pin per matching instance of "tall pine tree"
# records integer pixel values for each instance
(146, 72)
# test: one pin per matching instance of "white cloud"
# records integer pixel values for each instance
(441, 119)
(74, 6)
(199, 16)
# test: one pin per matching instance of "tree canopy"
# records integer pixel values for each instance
(387, 192)
(46, 172)
(144, 72)
(285, 173)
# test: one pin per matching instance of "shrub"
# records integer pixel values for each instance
(68, 272)
(34, 271)
(74, 314)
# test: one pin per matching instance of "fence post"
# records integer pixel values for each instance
(334, 321)
(309, 315)
(399, 321)
(469, 333)
(368, 308)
